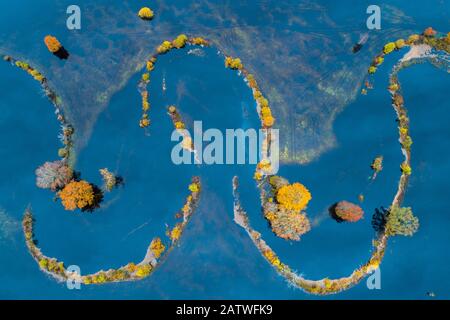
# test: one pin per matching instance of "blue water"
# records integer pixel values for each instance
(215, 258)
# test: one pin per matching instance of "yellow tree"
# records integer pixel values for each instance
(293, 196)
(146, 13)
(157, 247)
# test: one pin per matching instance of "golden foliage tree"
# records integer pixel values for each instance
(293, 196)
(146, 13)
(157, 247)
(389, 47)
(175, 233)
(233, 63)
(164, 47)
(180, 41)
(143, 270)
(199, 41)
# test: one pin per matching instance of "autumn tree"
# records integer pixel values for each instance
(400, 43)
(293, 196)
(53, 45)
(175, 233)
(164, 47)
(194, 187)
(406, 168)
(180, 41)
(199, 41)
(143, 270)
(144, 121)
(389, 47)
(146, 13)
(267, 118)
(157, 247)
(233, 63)
(77, 194)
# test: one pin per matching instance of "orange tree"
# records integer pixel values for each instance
(52, 43)
(77, 194)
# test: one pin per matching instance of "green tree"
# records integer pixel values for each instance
(401, 221)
